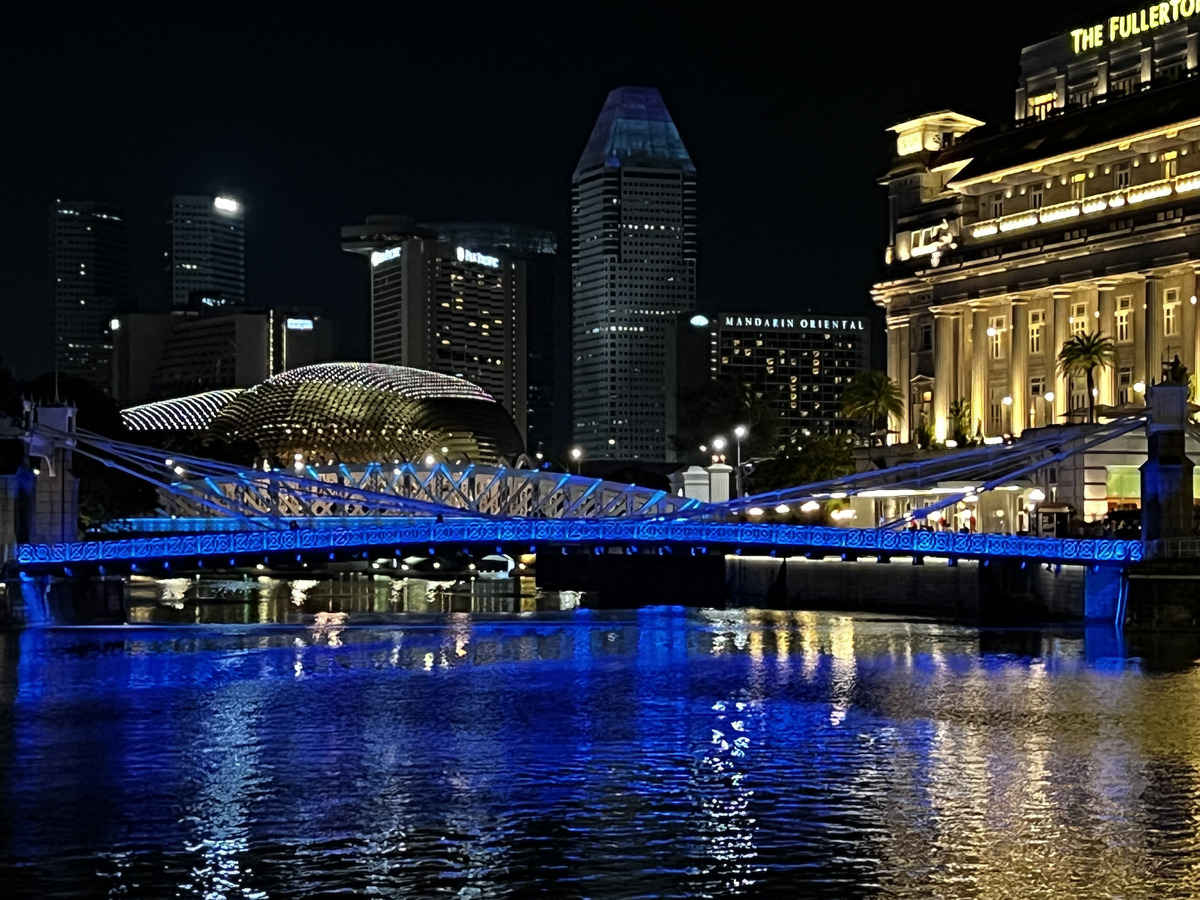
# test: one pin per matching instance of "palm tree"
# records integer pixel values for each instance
(872, 397)
(1081, 355)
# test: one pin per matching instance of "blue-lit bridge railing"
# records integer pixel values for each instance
(663, 536)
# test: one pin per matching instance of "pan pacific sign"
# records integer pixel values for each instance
(1123, 27)
(794, 323)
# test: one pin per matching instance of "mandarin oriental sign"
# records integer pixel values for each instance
(1119, 28)
(795, 323)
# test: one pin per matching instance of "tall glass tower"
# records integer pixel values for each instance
(633, 268)
(206, 266)
(89, 275)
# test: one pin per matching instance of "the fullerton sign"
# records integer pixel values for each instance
(795, 322)
(1119, 28)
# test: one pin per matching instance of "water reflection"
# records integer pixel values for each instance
(353, 748)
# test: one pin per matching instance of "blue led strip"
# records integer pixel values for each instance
(471, 530)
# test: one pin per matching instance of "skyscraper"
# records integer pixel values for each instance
(89, 283)
(633, 268)
(206, 265)
(445, 307)
(548, 397)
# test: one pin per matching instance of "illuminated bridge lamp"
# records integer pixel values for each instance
(1139, 387)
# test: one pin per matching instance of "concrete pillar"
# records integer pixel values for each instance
(718, 482)
(1061, 334)
(1060, 90)
(900, 371)
(1101, 78)
(1167, 497)
(1106, 377)
(965, 355)
(1020, 111)
(1019, 373)
(1147, 73)
(1187, 322)
(696, 484)
(1154, 329)
(1194, 364)
(943, 374)
(982, 356)
(1193, 50)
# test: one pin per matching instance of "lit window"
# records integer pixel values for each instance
(1170, 161)
(1079, 320)
(1078, 185)
(1171, 312)
(996, 328)
(1121, 171)
(1037, 322)
(1124, 327)
(1035, 197)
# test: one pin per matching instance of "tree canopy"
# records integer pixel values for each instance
(818, 458)
(717, 408)
(1082, 355)
(871, 397)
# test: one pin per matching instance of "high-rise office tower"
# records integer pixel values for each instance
(633, 268)
(206, 263)
(445, 307)
(89, 283)
(548, 397)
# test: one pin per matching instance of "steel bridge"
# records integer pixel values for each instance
(218, 514)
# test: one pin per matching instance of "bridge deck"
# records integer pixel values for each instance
(306, 536)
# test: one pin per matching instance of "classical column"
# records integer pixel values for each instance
(898, 362)
(1187, 321)
(943, 373)
(1154, 329)
(904, 336)
(1194, 364)
(1061, 334)
(1018, 387)
(964, 355)
(1106, 377)
(981, 361)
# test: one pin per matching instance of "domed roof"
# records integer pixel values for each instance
(419, 384)
(356, 413)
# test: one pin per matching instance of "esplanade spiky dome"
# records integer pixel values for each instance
(351, 413)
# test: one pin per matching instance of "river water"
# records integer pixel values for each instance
(331, 747)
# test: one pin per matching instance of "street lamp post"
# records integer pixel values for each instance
(739, 432)
(576, 453)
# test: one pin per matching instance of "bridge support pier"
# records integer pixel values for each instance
(1163, 589)
(53, 600)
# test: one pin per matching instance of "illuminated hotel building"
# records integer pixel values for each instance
(445, 307)
(548, 398)
(89, 283)
(1082, 217)
(799, 363)
(207, 256)
(633, 269)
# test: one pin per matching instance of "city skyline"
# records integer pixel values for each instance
(273, 125)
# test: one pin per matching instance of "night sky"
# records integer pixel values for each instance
(481, 112)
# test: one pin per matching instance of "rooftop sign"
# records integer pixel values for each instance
(481, 259)
(1119, 28)
(794, 323)
(382, 256)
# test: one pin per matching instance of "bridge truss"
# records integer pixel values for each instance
(191, 486)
